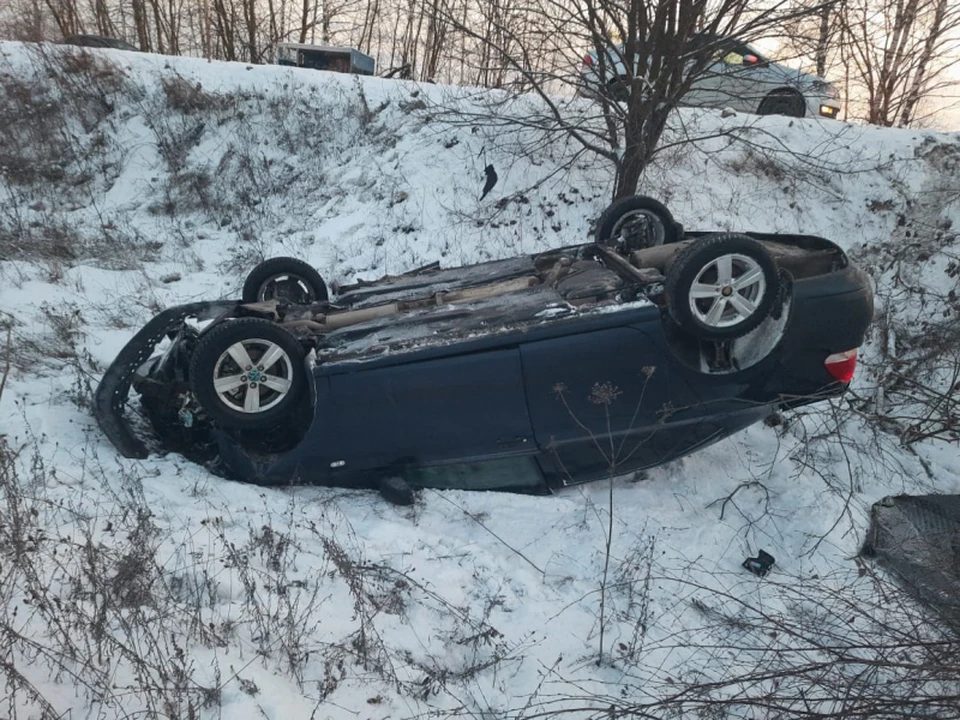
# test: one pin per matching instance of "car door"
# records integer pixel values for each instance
(602, 399)
(706, 88)
(730, 80)
(741, 80)
(466, 407)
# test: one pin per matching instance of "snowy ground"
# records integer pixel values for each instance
(156, 586)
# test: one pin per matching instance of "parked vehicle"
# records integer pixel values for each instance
(737, 77)
(325, 57)
(98, 41)
(528, 374)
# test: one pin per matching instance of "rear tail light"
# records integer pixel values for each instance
(587, 60)
(841, 365)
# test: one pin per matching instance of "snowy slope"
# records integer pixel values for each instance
(156, 586)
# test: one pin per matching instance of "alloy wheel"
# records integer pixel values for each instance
(727, 291)
(253, 375)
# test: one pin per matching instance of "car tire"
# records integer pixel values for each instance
(618, 90)
(783, 102)
(286, 279)
(721, 287)
(233, 384)
(636, 222)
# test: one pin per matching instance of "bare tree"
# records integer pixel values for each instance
(226, 23)
(141, 23)
(371, 18)
(853, 647)
(24, 20)
(66, 14)
(435, 41)
(813, 35)
(900, 52)
(637, 81)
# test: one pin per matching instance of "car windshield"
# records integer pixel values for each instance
(722, 50)
(285, 52)
(727, 50)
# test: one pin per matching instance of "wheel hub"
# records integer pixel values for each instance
(286, 288)
(253, 383)
(727, 291)
(639, 229)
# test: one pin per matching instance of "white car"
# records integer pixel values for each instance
(737, 77)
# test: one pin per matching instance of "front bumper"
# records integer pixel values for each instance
(111, 395)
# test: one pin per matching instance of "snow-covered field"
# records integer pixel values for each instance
(131, 182)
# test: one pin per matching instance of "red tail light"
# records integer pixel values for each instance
(841, 365)
(587, 60)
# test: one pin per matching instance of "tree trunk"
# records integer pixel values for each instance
(101, 15)
(174, 26)
(158, 25)
(66, 16)
(207, 32)
(433, 45)
(274, 34)
(250, 20)
(920, 71)
(823, 41)
(325, 23)
(641, 135)
(226, 27)
(140, 22)
(304, 19)
(371, 17)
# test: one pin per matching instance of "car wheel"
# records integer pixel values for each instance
(618, 90)
(783, 102)
(721, 286)
(248, 373)
(634, 223)
(285, 279)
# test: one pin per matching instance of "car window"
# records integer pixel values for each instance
(738, 55)
(517, 473)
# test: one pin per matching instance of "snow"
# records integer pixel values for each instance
(324, 602)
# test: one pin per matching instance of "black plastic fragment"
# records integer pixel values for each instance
(761, 564)
(491, 180)
(237, 463)
(395, 490)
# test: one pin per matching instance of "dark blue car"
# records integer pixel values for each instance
(524, 374)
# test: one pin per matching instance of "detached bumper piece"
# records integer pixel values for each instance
(111, 395)
(761, 564)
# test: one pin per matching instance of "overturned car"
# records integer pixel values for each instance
(527, 374)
